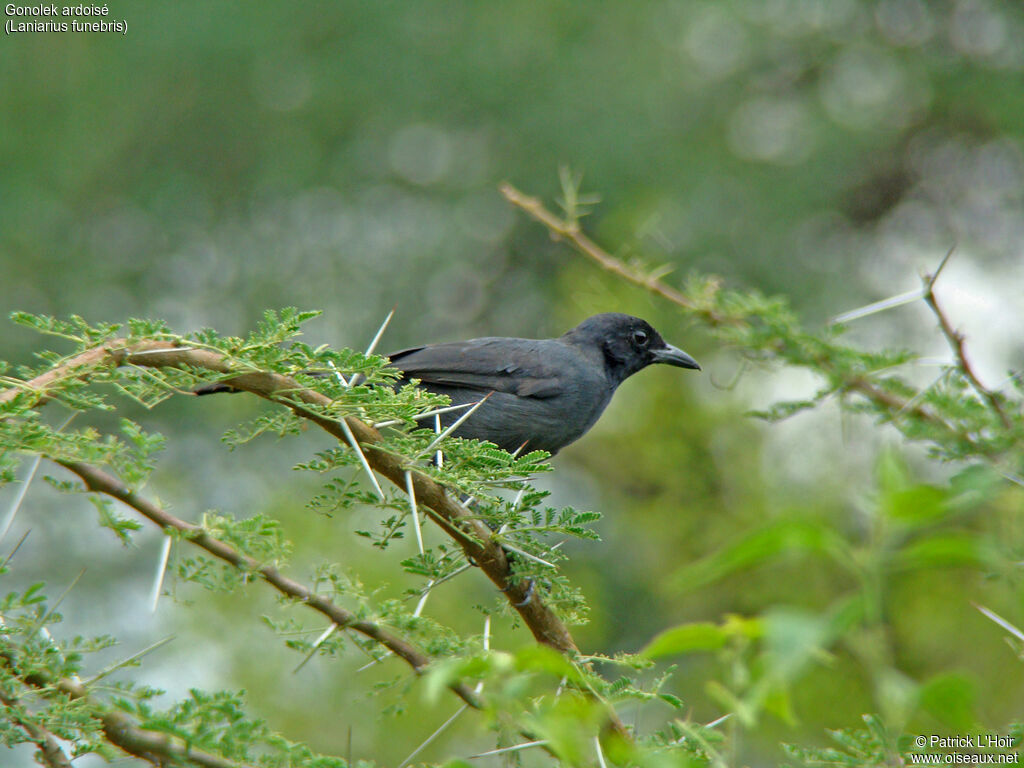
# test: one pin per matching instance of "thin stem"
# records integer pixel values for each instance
(49, 747)
(956, 342)
(452, 517)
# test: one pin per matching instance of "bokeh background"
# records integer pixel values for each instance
(225, 158)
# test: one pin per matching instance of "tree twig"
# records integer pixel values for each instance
(102, 482)
(894, 404)
(956, 343)
(571, 232)
(120, 730)
(470, 533)
(158, 748)
(49, 748)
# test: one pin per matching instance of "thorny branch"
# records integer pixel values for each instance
(472, 535)
(160, 749)
(570, 232)
(101, 482)
(49, 748)
(956, 342)
(469, 532)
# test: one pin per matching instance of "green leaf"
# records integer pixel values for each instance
(761, 547)
(945, 550)
(673, 701)
(540, 658)
(891, 471)
(121, 526)
(793, 638)
(919, 504)
(686, 638)
(951, 699)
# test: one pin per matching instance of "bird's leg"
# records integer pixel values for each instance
(531, 586)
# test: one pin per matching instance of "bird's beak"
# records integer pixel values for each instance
(670, 355)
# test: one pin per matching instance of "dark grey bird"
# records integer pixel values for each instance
(542, 394)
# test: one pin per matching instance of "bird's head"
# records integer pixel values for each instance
(628, 344)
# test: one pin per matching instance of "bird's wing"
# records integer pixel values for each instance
(512, 366)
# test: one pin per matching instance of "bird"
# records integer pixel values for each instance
(541, 394)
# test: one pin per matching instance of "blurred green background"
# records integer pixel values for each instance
(223, 158)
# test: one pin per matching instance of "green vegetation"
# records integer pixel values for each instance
(550, 695)
(809, 553)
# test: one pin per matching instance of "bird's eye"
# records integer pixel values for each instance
(640, 338)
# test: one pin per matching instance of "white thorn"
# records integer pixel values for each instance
(454, 425)
(338, 375)
(424, 415)
(439, 458)
(434, 735)
(1001, 622)
(600, 752)
(374, 662)
(719, 721)
(415, 512)
(1012, 478)
(373, 345)
(423, 599)
(503, 750)
(362, 457)
(319, 641)
(527, 555)
(879, 306)
(518, 498)
(437, 582)
(487, 646)
(161, 570)
(383, 327)
(16, 504)
(162, 351)
(125, 662)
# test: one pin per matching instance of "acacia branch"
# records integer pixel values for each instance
(49, 748)
(894, 404)
(956, 343)
(160, 749)
(475, 539)
(471, 534)
(570, 231)
(101, 482)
